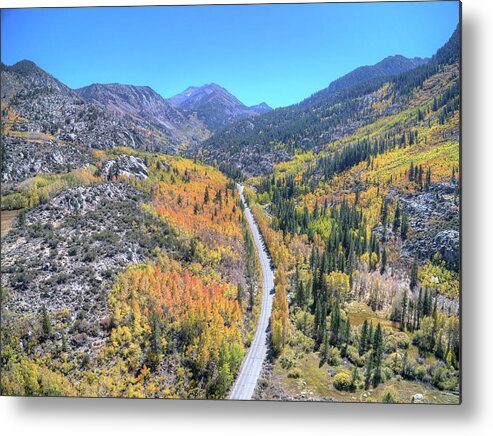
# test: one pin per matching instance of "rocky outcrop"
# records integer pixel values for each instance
(24, 157)
(434, 222)
(125, 165)
(447, 243)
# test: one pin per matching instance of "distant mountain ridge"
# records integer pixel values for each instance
(214, 105)
(48, 106)
(261, 108)
(389, 66)
(55, 127)
(255, 145)
(127, 98)
(148, 108)
(49, 128)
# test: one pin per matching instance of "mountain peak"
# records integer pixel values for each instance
(397, 64)
(261, 107)
(126, 99)
(389, 66)
(38, 78)
(213, 104)
(211, 85)
(26, 68)
(145, 106)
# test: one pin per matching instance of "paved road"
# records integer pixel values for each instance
(250, 370)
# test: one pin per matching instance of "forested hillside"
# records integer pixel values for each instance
(368, 229)
(349, 103)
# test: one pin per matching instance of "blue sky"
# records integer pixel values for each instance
(274, 53)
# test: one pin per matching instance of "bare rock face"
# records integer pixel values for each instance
(434, 220)
(447, 243)
(50, 128)
(125, 165)
(45, 105)
(146, 108)
(26, 157)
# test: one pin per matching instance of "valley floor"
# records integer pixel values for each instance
(299, 375)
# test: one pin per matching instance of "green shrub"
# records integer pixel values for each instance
(354, 357)
(14, 201)
(342, 381)
(334, 358)
(287, 360)
(294, 374)
(403, 343)
(390, 396)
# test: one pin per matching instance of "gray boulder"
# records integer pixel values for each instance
(447, 243)
(125, 165)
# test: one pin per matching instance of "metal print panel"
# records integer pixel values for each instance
(250, 202)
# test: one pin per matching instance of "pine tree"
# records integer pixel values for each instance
(377, 356)
(300, 294)
(411, 172)
(440, 348)
(64, 342)
(383, 261)
(322, 326)
(397, 219)
(315, 211)
(363, 338)
(404, 369)
(219, 198)
(414, 274)
(354, 378)
(356, 197)
(347, 337)
(206, 195)
(404, 227)
(384, 212)
(403, 310)
(326, 348)
(46, 324)
(369, 338)
(420, 176)
(335, 322)
(368, 371)
(428, 178)
(313, 259)
(239, 295)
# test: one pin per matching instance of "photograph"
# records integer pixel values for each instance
(232, 202)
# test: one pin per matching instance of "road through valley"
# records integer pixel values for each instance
(252, 365)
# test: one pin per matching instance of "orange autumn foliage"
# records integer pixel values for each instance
(195, 309)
